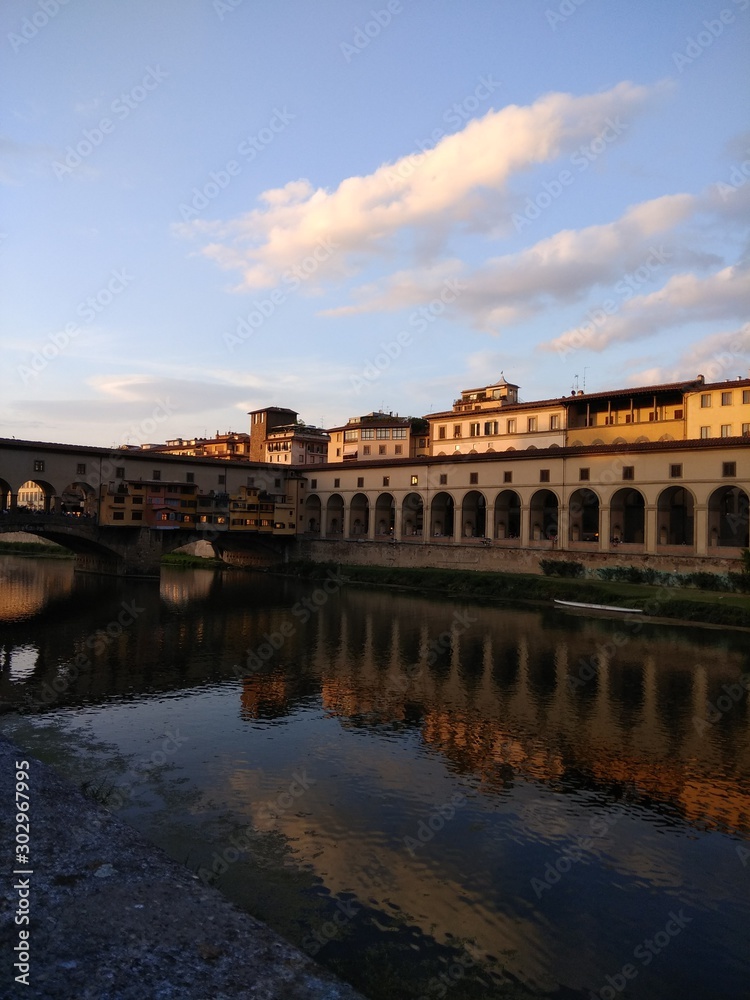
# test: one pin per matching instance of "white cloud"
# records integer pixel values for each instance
(426, 194)
(685, 298)
(723, 355)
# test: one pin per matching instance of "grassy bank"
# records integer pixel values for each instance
(193, 562)
(35, 549)
(660, 602)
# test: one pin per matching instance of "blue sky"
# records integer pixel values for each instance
(209, 206)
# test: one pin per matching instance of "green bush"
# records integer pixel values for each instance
(561, 567)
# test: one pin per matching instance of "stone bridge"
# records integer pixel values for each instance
(137, 551)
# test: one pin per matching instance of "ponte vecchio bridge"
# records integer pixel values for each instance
(186, 500)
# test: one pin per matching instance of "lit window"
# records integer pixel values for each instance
(39, 465)
(386, 480)
(415, 480)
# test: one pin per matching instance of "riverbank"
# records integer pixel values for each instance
(111, 917)
(682, 604)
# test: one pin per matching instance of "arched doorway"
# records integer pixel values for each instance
(335, 515)
(78, 499)
(412, 515)
(543, 514)
(473, 515)
(385, 514)
(675, 518)
(728, 515)
(359, 516)
(442, 516)
(628, 517)
(36, 495)
(508, 515)
(5, 495)
(583, 512)
(312, 514)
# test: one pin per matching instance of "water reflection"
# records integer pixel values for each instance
(544, 788)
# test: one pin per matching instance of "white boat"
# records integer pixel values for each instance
(598, 607)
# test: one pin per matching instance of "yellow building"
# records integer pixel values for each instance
(491, 419)
(375, 436)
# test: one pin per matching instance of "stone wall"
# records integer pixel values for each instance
(495, 558)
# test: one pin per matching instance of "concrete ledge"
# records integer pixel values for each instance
(113, 918)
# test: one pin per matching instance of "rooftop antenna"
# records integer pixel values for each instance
(584, 377)
(575, 384)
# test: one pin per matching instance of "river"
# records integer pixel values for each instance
(432, 797)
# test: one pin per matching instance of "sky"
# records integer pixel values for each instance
(212, 206)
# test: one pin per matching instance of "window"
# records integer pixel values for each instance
(351, 436)
(382, 433)
(336, 483)
(423, 442)
(726, 399)
(136, 515)
(338, 453)
(119, 498)
(366, 449)
(443, 479)
(222, 480)
(457, 430)
(190, 477)
(441, 432)
(399, 434)
(729, 469)
(705, 400)
(511, 426)
(584, 475)
(473, 478)
(678, 414)
(746, 430)
(381, 449)
(39, 465)
(705, 432)
(415, 480)
(726, 430)
(120, 472)
(156, 474)
(118, 515)
(490, 427)
(507, 477)
(675, 472)
(313, 484)
(531, 424)
(386, 480)
(628, 472)
(81, 469)
(746, 395)
(360, 482)
(554, 422)
(138, 500)
(474, 430)
(399, 448)
(544, 475)
(368, 433)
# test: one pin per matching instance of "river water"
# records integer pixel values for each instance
(432, 797)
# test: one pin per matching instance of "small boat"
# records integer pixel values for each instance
(598, 607)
